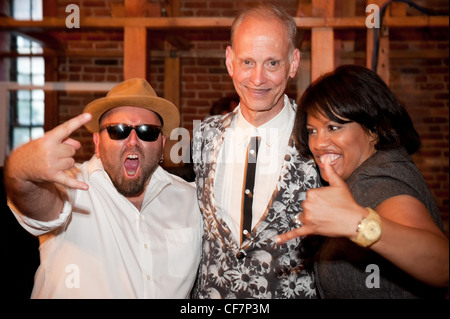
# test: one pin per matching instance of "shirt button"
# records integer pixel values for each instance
(247, 191)
(145, 246)
(148, 277)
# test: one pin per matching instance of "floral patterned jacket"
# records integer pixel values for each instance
(259, 268)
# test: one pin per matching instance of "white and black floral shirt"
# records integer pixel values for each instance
(257, 268)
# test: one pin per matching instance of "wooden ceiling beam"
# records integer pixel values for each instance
(169, 23)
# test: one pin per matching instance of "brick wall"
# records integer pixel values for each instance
(421, 83)
(423, 86)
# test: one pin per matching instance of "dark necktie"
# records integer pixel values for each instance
(249, 183)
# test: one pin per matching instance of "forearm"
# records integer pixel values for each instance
(421, 253)
(37, 200)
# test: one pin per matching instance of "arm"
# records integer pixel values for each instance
(32, 170)
(409, 239)
(412, 241)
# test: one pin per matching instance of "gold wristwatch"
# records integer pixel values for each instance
(369, 229)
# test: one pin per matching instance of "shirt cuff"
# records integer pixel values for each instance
(39, 227)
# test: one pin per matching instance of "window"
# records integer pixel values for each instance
(27, 9)
(27, 106)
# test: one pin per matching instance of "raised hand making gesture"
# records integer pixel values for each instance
(33, 169)
(329, 211)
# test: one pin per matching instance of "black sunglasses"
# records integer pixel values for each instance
(145, 132)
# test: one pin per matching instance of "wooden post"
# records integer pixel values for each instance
(135, 42)
(384, 65)
(172, 64)
(304, 9)
(172, 82)
(345, 9)
(383, 61)
(172, 79)
(322, 40)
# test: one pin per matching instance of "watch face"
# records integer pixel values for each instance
(372, 230)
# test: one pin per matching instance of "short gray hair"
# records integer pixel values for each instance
(268, 10)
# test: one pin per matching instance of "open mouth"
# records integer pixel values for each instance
(131, 164)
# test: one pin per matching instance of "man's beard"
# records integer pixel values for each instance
(130, 187)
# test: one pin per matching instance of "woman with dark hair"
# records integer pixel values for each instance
(382, 228)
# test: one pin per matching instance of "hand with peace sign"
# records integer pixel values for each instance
(32, 170)
(328, 211)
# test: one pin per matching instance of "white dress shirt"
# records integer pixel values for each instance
(230, 167)
(101, 246)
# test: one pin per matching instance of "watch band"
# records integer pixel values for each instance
(369, 229)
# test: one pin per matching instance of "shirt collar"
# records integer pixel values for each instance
(95, 165)
(158, 181)
(270, 131)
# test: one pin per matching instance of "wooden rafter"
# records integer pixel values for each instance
(168, 23)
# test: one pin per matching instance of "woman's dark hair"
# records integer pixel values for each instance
(356, 94)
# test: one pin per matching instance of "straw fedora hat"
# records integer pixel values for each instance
(133, 92)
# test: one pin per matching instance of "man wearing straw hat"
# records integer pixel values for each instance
(118, 225)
